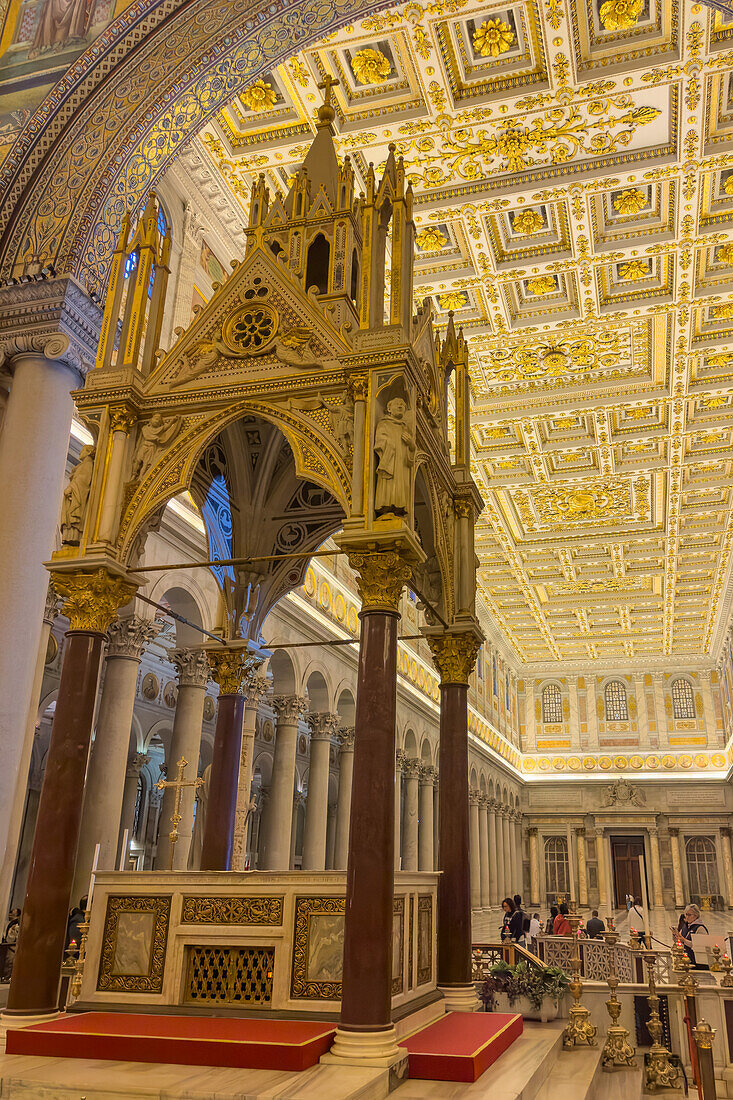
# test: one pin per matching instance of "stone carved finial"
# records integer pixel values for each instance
(380, 578)
(289, 708)
(129, 637)
(323, 725)
(91, 600)
(136, 763)
(76, 497)
(454, 655)
(192, 667)
(346, 738)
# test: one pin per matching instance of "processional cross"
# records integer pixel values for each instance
(178, 783)
(329, 82)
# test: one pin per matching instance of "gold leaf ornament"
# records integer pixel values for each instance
(527, 222)
(633, 271)
(725, 253)
(454, 299)
(541, 284)
(370, 66)
(630, 201)
(260, 96)
(620, 15)
(430, 239)
(492, 38)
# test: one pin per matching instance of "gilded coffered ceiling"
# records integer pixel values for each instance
(573, 172)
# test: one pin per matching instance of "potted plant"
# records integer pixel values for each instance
(535, 991)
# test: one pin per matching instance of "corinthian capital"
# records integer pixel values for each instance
(255, 686)
(91, 599)
(229, 667)
(346, 738)
(323, 725)
(128, 637)
(135, 764)
(454, 655)
(380, 577)
(289, 708)
(192, 667)
(427, 775)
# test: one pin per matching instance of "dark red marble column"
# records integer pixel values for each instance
(216, 853)
(366, 1002)
(35, 982)
(454, 885)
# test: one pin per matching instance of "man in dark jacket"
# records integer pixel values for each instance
(595, 926)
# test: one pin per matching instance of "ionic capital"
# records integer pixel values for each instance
(289, 708)
(346, 738)
(92, 598)
(52, 317)
(192, 667)
(135, 764)
(323, 725)
(129, 637)
(380, 577)
(454, 655)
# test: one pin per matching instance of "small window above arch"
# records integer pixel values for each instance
(551, 704)
(616, 704)
(683, 699)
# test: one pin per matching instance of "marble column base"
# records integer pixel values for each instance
(366, 1048)
(10, 1020)
(460, 998)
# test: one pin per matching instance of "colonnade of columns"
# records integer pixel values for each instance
(496, 851)
(415, 814)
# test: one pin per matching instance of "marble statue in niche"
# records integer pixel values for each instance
(76, 495)
(394, 442)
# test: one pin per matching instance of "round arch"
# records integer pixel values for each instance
(134, 97)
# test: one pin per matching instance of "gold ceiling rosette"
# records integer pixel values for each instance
(630, 201)
(492, 38)
(260, 96)
(621, 15)
(370, 66)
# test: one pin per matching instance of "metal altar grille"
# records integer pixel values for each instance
(229, 975)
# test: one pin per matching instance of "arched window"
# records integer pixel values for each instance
(614, 695)
(316, 271)
(683, 701)
(163, 222)
(551, 703)
(494, 684)
(508, 693)
(702, 867)
(354, 289)
(556, 866)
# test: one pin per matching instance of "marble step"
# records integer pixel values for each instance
(29, 1078)
(576, 1075)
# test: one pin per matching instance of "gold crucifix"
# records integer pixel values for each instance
(329, 82)
(178, 784)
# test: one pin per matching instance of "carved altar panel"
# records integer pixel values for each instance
(232, 910)
(134, 944)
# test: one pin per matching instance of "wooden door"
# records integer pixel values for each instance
(626, 874)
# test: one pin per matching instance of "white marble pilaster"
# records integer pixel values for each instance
(105, 781)
(289, 709)
(192, 673)
(254, 688)
(411, 772)
(534, 867)
(725, 848)
(323, 727)
(674, 841)
(657, 894)
(582, 868)
(400, 759)
(494, 855)
(474, 848)
(483, 837)
(343, 809)
(425, 855)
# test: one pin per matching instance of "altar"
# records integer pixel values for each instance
(244, 940)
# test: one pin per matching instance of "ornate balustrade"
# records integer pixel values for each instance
(595, 956)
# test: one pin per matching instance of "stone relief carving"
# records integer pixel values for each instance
(341, 416)
(154, 435)
(394, 442)
(622, 793)
(76, 495)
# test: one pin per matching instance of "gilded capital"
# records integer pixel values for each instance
(463, 508)
(192, 667)
(228, 668)
(129, 637)
(358, 386)
(92, 598)
(454, 655)
(121, 419)
(380, 577)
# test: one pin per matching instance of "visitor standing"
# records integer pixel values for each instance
(595, 926)
(561, 927)
(690, 924)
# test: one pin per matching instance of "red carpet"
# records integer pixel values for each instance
(461, 1045)
(185, 1040)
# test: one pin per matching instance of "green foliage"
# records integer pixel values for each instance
(536, 983)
